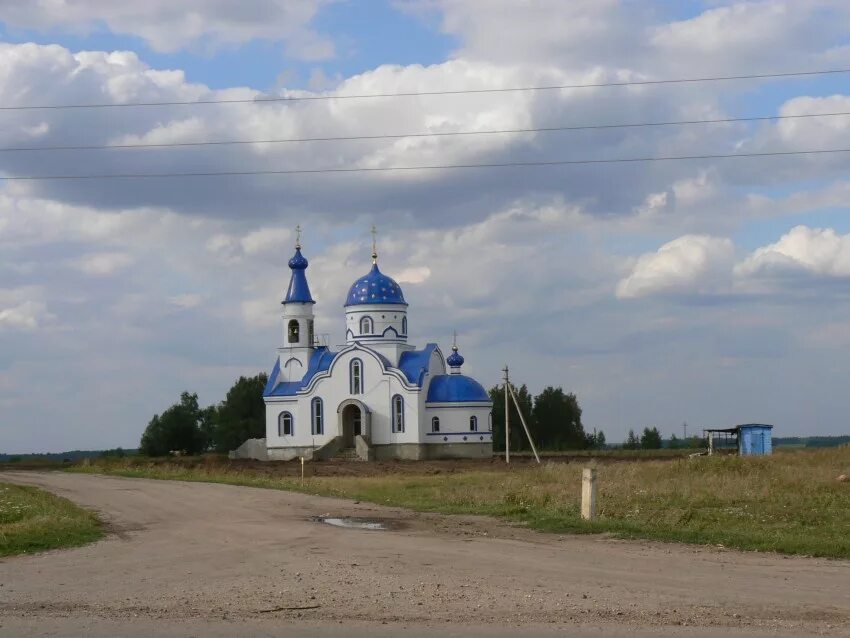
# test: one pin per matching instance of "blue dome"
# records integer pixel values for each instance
(298, 261)
(455, 360)
(374, 288)
(456, 388)
(298, 291)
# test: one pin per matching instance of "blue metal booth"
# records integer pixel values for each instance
(748, 439)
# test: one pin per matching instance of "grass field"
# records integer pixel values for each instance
(790, 502)
(32, 520)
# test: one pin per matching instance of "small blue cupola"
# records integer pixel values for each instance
(298, 291)
(455, 360)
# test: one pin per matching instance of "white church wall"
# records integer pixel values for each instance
(455, 423)
(378, 390)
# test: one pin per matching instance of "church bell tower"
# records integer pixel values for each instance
(298, 332)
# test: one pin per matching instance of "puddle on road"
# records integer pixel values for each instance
(354, 522)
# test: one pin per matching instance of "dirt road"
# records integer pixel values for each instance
(205, 559)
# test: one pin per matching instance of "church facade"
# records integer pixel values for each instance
(376, 397)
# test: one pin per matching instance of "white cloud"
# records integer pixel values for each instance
(23, 308)
(413, 275)
(169, 26)
(819, 251)
(103, 264)
(187, 300)
(24, 316)
(688, 264)
(267, 240)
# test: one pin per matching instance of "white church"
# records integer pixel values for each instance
(377, 397)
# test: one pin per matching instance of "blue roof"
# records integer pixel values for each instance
(455, 359)
(375, 287)
(456, 388)
(414, 363)
(298, 291)
(320, 361)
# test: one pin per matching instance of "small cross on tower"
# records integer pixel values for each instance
(298, 237)
(374, 244)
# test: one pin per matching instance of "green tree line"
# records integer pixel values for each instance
(188, 428)
(553, 418)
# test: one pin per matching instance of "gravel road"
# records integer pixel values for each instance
(191, 559)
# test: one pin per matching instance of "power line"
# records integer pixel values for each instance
(545, 129)
(307, 171)
(307, 98)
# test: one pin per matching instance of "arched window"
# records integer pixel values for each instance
(435, 424)
(404, 325)
(366, 326)
(318, 413)
(285, 424)
(473, 423)
(294, 332)
(398, 413)
(356, 376)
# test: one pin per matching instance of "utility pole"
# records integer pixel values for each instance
(524, 424)
(685, 429)
(507, 418)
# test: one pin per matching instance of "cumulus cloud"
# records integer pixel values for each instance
(685, 265)
(50, 74)
(169, 26)
(22, 309)
(818, 251)
(102, 264)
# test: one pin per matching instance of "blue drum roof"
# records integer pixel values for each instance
(375, 288)
(456, 388)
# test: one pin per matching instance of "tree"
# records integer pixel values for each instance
(596, 440)
(178, 428)
(674, 443)
(650, 439)
(241, 416)
(557, 417)
(518, 438)
(632, 442)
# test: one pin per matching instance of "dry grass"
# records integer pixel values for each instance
(32, 520)
(790, 502)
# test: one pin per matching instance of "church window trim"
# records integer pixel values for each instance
(367, 326)
(293, 331)
(398, 413)
(317, 410)
(285, 424)
(473, 423)
(435, 424)
(356, 374)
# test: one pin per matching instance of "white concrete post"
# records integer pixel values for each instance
(588, 493)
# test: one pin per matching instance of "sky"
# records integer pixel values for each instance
(706, 291)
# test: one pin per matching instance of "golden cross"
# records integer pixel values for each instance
(374, 244)
(298, 237)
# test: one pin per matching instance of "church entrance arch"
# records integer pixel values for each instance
(354, 420)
